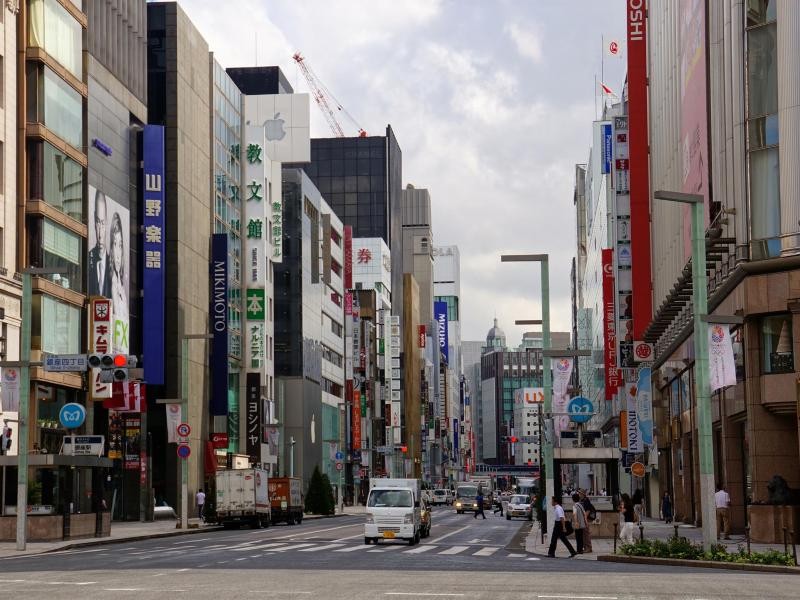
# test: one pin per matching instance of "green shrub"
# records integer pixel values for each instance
(319, 499)
(683, 548)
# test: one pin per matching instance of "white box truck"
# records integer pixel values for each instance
(243, 498)
(393, 511)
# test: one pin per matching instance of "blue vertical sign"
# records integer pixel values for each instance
(607, 148)
(219, 324)
(440, 314)
(455, 440)
(153, 205)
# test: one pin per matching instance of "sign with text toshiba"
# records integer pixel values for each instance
(639, 169)
(612, 374)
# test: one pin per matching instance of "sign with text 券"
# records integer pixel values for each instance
(153, 204)
(440, 315)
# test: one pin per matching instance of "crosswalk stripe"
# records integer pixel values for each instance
(259, 547)
(352, 548)
(420, 549)
(294, 547)
(515, 556)
(454, 550)
(318, 548)
(485, 552)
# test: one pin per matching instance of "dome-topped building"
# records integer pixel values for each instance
(496, 338)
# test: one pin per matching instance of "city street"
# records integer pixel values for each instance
(463, 558)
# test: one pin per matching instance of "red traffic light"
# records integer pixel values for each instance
(404, 449)
(120, 360)
(514, 440)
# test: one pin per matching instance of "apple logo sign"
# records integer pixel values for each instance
(274, 128)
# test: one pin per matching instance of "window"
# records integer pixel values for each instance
(52, 245)
(56, 326)
(336, 328)
(56, 178)
(52, 27)
(776, 344)
(54, 103)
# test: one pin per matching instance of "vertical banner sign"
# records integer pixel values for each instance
(173, 420)
(153, 206)
(115, 431)
(348, 257)
(634, 433)
(605, 166)
(421, 335)
(256, 233)
(219, 324)
(639, 169)
(356, 420)
(721, 365)
(253, 414)
(100, 330)
(9, 400)
(133, 442)
(612, 375)
(455, 439)
(644, 405)
(396, 431)
(562, 373)
(440, 314)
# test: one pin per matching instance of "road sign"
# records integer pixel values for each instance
(528, 439)
(580, 409)
(219, 440)
(339, 455)
(184, 451)
(61, 363)
(339, 466)
(72, 415)
(83, 445)
(384, 449)
(637, 469)
(643, 352)
(184, 430)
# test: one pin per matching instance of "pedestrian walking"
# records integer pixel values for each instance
(722, 501)
(200, 500)
(628, 516)
(579, 522)
(479, 501)
(638, 505)
(559, 530)
(498, 505)
(591, 515)
(666, 507)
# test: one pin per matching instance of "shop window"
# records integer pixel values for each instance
(776, 344)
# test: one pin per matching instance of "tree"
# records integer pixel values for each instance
(319, 499)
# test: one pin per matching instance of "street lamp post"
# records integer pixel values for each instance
(543, 259)
(185, 418)
(701, 392)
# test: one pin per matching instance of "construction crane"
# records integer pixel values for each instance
(325, 99)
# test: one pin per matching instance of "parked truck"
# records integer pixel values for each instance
(286, 500)
(393, 511)
(243, 498)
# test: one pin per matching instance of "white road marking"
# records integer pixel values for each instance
(534, 558)
(260, 547)
(352, 537)
(421, 549)
(318, 548)
(569, 597)
(295, 547)
(123, 589)
(515, 556)
(352, 548)
(305, 534)
(454, 550)
(183, 570)
(274, 593)
(418, 594)
(69, 582)
(192, 541)
(243, 558)
(485, 552)
(447, 535)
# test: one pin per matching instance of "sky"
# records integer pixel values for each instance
(492, 103)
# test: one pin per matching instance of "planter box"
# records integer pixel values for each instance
(767, 522)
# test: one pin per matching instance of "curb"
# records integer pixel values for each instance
(134, 538)
(699, 564)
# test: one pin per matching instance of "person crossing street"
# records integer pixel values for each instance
(479, 502)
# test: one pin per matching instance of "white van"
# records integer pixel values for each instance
(393, 511)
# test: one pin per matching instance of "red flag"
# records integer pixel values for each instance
(606, 89)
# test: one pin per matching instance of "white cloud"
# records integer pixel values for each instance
(528, 41)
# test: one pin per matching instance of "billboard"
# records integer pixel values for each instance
(109, 257)
(153, 205)
(286, 122)
(638, 148)
(219, 324)
(440, 315)
(253, 415)
(612, 374)
(605, 136)
(348, 257)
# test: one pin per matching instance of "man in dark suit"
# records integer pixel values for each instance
(99, 268)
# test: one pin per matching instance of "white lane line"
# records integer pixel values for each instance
(421, 549)
(447, 535)
(260, 547)
(13, 580)
(352, 548)
(192, 541)
(294, 547)
(274, 593)
(305, 534)
(485, 552)
(454, 550)
(183, 570)
(325, 547)
(123, 589)
(69, 582)
(352, 537)
(534, 558)
(243, 558)
(515, 555)
(567, 596)
(418, 594)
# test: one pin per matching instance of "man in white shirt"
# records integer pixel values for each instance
(200, 500)
(559, 530)
(723, 502)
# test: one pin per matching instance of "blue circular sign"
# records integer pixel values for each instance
(72, 415)
(184, 450)
(580, 409)
(339, 456)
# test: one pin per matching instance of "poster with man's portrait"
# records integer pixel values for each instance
(108, 263)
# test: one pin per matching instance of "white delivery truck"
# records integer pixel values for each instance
(393, 510)
(243, 498)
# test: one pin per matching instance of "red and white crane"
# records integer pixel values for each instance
(325, 99)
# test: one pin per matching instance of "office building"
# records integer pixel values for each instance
(418, 245)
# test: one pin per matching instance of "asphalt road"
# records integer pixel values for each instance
(463, 558)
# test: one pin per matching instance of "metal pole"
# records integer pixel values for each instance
(24, 393)
(705, 435)
(291, 457)
(184, 419)
(550, 489)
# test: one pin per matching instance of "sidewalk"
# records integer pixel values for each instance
(132, 531)
(653, 529)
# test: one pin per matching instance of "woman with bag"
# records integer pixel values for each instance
(579, 523)
(591, 515)
(628, 532)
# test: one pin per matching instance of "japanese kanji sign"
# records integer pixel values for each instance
(255, 304)
(100, 320)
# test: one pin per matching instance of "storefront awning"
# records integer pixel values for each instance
(58, 460)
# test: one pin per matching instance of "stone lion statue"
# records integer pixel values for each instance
(779, 492)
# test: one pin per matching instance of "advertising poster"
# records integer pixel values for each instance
(612, 376)
(115, 427)
(9, 400)
(644, 405)
(253, 414)
(562, 372)
(721, 364)
(133, 443)
(108, 263)
(219, 324)
(440, 315)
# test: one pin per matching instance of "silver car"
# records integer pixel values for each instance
(519, 505)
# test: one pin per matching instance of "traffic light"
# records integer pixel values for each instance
(513, 439)
(114, 367)
(403, 449)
